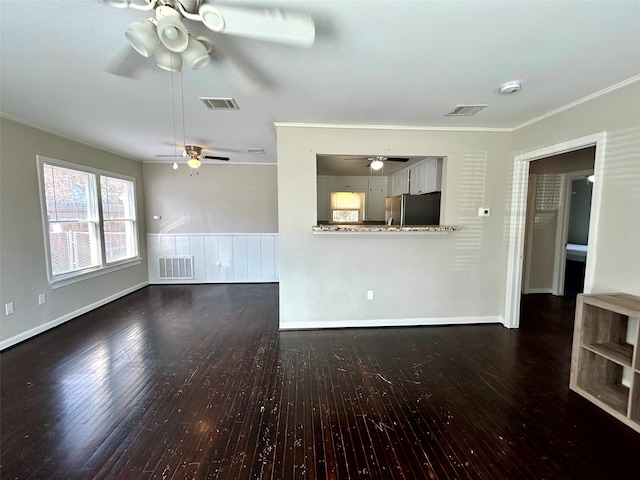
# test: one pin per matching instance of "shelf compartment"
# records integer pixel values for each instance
(621, 353)
(634, 407)
(602, 379)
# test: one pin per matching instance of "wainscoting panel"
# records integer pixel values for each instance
(217, 258)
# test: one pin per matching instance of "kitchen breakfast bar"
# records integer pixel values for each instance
(347, 228)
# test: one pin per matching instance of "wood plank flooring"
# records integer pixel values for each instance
(176, 382)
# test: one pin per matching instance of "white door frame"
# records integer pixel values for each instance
(520, 181)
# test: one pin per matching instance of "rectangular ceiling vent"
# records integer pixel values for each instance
(255, 151)
(465, 110)
(213, 103)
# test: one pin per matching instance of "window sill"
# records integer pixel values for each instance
(70, 279)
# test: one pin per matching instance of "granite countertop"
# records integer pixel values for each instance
(346, 228)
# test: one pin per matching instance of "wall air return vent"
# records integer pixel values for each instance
(175, 267)
(213, 103)
(465, 110)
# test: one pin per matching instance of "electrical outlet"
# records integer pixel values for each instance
(369, 294)
(8, 308)
(42, 299)
(484, 212)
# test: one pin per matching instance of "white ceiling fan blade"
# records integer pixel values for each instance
(271, 25)
(124, 62)
(239, 75)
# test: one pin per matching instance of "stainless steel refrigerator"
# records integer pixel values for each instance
(408, 209)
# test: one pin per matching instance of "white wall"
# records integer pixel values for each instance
(23, 274)
(615, 248)
(416, 278)
(220, 199)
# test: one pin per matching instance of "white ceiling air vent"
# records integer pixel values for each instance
(465, 110)
(213, 103)
(255, 151)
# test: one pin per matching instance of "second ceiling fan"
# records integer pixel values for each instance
(194, 153)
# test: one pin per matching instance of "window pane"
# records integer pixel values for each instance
(119, 240)
(68, 194)
(74, 246)
(117, 198)
(346, 216)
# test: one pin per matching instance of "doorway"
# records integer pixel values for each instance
(557, 222)
(518, 213)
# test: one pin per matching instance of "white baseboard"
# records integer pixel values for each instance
(539, 290)
(69, 316)
(395, 322)
(181, 281)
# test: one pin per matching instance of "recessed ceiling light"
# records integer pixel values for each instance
(510, 87)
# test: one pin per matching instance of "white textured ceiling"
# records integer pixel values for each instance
(373, 63)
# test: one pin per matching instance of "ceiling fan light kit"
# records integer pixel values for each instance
(171, 31)
(376, 164)
(143, 37)
(196, 54)
(167, 60)
(194, 162)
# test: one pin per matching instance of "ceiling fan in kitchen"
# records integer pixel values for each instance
(377, 162)
(166, 37)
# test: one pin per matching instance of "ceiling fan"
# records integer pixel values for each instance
(166, 37)
(194, 153)
(377, 162)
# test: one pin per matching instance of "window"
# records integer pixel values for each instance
(347, 207)
(118, 219)
(87, 228)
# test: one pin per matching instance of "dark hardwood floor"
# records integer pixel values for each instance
(177, 382)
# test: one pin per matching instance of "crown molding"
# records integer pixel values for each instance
(390, 127)
(580, 101)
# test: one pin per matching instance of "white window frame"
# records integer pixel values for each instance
(360, 211)
(78, 275)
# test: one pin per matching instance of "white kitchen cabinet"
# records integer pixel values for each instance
(417, 178)
(426, 176)
(349, 184)
(376, 194)
(400, 182)
(433, 177)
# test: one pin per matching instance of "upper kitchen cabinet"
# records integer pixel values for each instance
(426, 176)
(349, 184)
(376, 195)
(399, 182)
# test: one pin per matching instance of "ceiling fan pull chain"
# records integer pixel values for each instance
(184, 130)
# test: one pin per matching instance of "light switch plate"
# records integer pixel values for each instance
(8, 308)
(42, 299)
